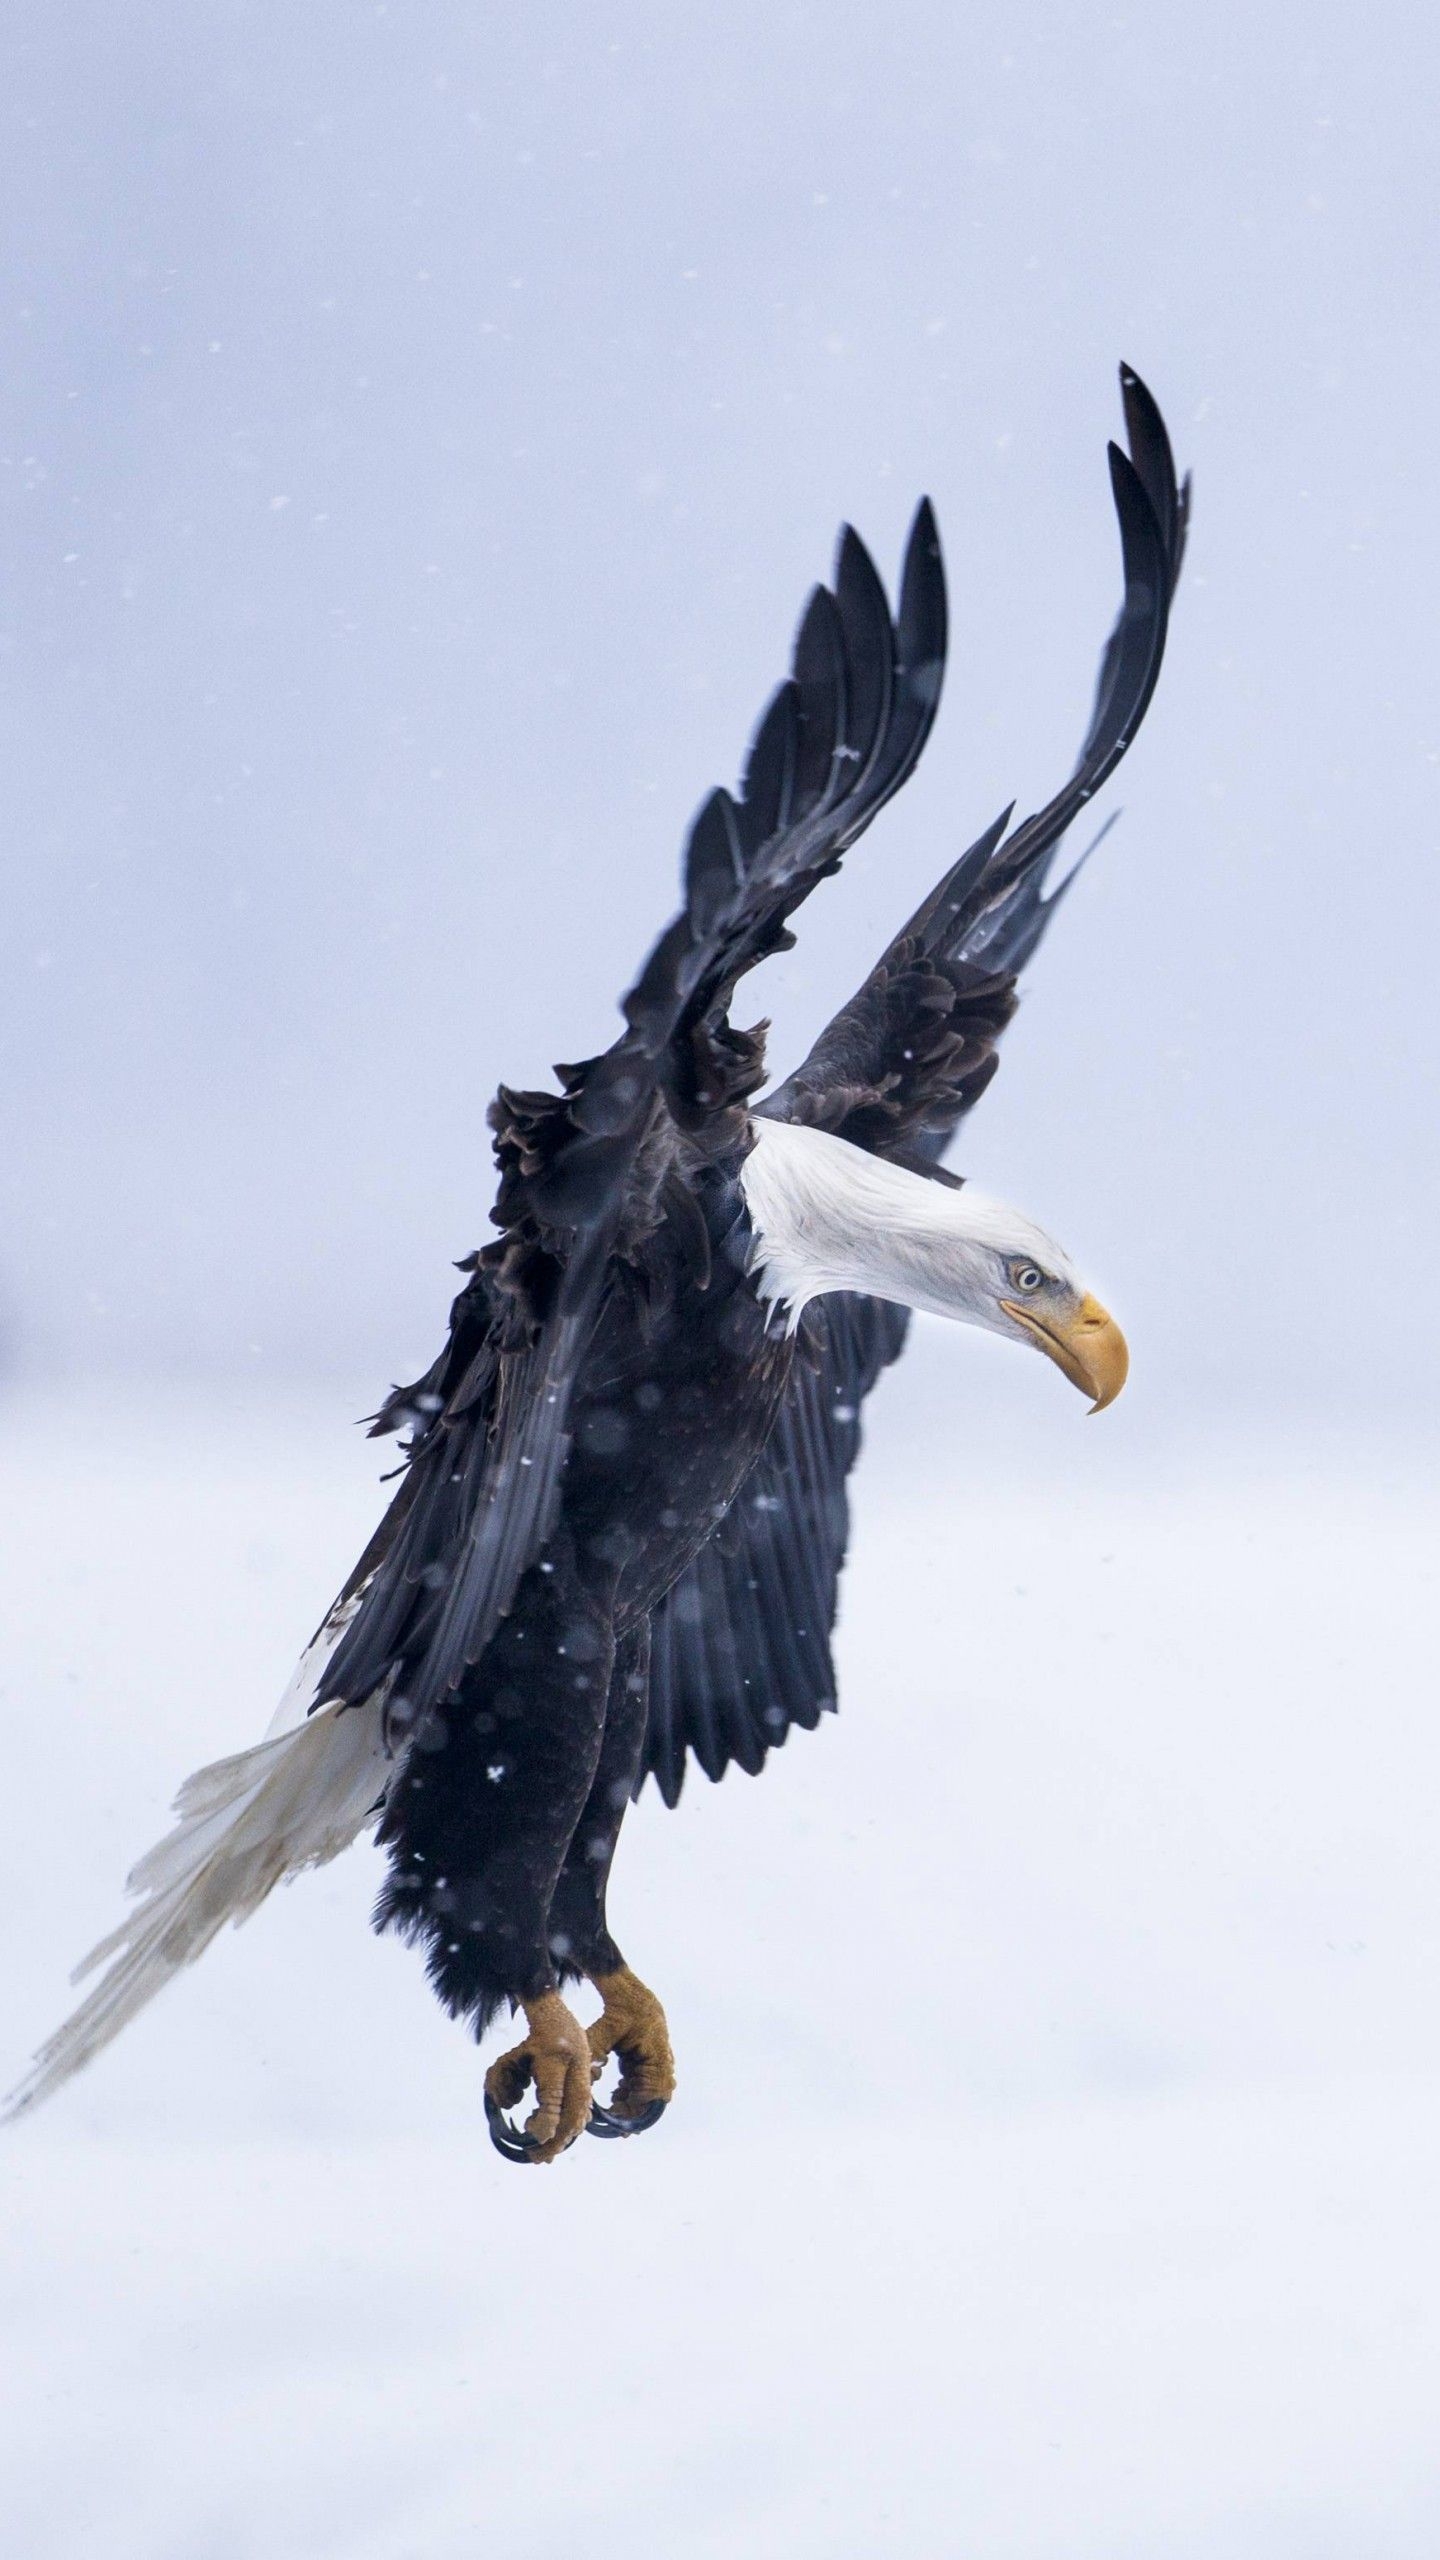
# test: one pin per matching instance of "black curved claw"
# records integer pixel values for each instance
(508, 2139)
(608, 2127)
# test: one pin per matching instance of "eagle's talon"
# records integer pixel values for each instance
(556, 2056)
(609, 2126)
(510, 2141)
(632, 2027)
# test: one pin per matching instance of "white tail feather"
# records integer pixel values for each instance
(295, 1800)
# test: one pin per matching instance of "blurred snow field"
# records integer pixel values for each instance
(1053, 2175)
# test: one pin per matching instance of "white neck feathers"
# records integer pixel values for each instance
(827, 1216)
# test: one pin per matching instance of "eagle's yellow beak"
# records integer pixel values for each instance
(1089, 1346)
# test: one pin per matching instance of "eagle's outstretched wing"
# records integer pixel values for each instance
(491, 1420)
(913, 1050)
(740, 1646)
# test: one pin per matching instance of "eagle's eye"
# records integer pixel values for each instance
(1026, 1276)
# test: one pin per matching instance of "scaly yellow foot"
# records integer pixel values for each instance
(555, 2054)
(632, 2027)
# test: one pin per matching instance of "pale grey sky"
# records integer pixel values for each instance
(420, 430)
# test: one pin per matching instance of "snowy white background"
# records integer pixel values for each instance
(420, 429)
(1054, 2168)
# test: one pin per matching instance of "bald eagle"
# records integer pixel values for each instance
(618, 1533)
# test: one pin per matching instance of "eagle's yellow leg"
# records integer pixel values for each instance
(632, 2027)
(555, 2054)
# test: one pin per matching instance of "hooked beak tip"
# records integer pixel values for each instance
(1101, 1352)
(1089, 1348)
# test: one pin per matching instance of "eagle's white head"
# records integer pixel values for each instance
(827, 1215)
